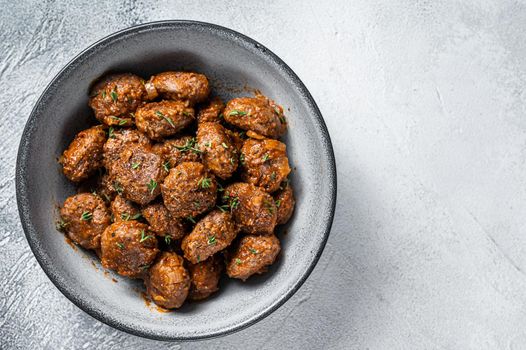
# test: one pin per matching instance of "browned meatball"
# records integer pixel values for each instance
(205, 277)
(84, 218)
(253, 209)
(162, 223)
(118, 141)
(116, 97)
(84, 154)
(265, 163)
(138, 172)
(192, 87)
(237, 138)
(252, 255)
(189, 190)
(128, 248)
(162, 119)
(211, 112)
(219, 154)
(210, 235)
(176, 151)
(124, 210)
(284, 199)
(168, 282)
(256, 114)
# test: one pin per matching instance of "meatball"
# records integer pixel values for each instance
(84, 217)
(211, 112)
(265, 163)
(175, 151)
(189, 190)
(124, 210)
(84, 154)
(138, 173)
(118, 141)
(116, 97)
(256, 114)
(162, 119)
(252, 255)
(210, 235)
(188, 86)
(253, 209)
(168, 282)
(237, 138)
(284, 199)
(219, 154)
(128, 248)
(162, 223)
(205, 277)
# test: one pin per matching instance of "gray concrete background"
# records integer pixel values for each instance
(425, 102)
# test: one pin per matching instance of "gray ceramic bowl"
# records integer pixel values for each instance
(230, 60)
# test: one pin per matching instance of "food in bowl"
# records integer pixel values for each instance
(181, 186)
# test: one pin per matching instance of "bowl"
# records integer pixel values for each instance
(231, 61)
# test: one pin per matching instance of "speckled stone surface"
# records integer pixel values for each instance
(425, 104)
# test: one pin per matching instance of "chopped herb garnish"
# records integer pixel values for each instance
(136, 165)
(238, 261)
(232, 160)
(103, 94)
(120, 120)
(212, 240)
(168, 119)
(236, 112)
(266, 157)
(223, 208)
(219, 187)
(86, 216)
(205, 182)
(166, 166)
(282, 120)
(242, 159)
(197, 204)
(167, 239)
(144, 267)
(273, 176)
(191, 219)
(132, 115)
(198, 258)
(120, 245)
(269, 206)
(111, 135)
(114, 96)
(278, 202)
(144, 237)
(125, 216)
(136, 216)
(61, 225)
(152, 185)
(253, 251)
(189, 146)
(234, 202)
(118, 188)
(208, 144)
(186, 114)
(224, 145)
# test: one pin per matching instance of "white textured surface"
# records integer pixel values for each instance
(425, 103)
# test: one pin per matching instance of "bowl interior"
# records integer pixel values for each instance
(231, 62)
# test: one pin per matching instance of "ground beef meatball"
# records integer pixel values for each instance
(253, 209)
(84, 217)
(210, 235)
(159, 120)
(175, 151)
(168, 282)
(189, 190)
(162, 223)
(128, 247)
(118, 141)
(138, 173)
(84, 154)
(219, 154)
(124, 210)
(205, 277)
(116, 97)
(210, 113)
(186, 86)
(265, 163)
(256, 114)
(252, 255)
(284, 199)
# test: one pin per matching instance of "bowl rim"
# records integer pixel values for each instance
(30, 231)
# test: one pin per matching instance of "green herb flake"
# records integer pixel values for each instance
(136, 165)
(86, 216)
(236, 112)
(144, 237)
(234, 203)
(168, 239)
(120, 120)
(212, 240)
(136, 216)
(273, 176)
(152, 185)
(266, 157)
(224, 145)
(187, 114)
(232, 160)
(125, 216)
(120, 245)
(242, 159)
(253, 251)
(61, 225)
(166, 166)
(103, 94)
(114, 95)
(205, 182)
(238, 261)
(144, 267)
(111, 135)
(118, 188)
(197, 204)
(191, 219)
(165, 117)
(189, 146)
(278, 202)
(224, 208)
